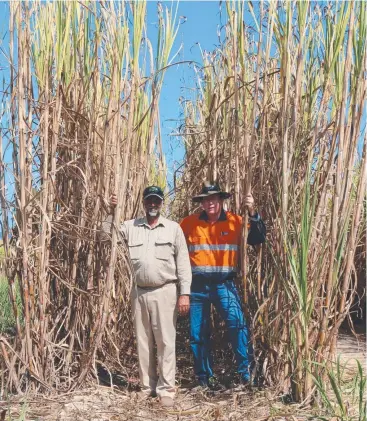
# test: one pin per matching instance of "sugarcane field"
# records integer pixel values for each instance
(183, 210)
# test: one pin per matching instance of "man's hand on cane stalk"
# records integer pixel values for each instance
(113, 201)
(250, 204)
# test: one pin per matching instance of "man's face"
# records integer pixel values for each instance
(212, 204)
(153, 205)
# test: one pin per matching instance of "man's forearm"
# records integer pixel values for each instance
(257, 233)
(183, 263)
(105, 231)
(185, 287)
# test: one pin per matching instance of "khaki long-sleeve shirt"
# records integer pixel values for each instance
(159, 255)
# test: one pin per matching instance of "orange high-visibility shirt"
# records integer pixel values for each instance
(213, 248)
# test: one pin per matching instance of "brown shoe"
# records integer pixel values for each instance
(167, 402)
(142, 394)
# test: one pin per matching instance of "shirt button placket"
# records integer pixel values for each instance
(146, 273)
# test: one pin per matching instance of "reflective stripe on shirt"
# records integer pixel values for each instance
(224, 247)
(213, 269)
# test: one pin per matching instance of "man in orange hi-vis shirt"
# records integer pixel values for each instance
(214, 241)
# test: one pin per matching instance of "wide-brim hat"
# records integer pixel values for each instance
(209, 189)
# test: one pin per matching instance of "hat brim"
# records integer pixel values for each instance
(222, 194)
(153, 194)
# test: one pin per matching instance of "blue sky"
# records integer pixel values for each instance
(201, 22)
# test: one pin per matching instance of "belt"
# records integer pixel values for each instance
(156, 287)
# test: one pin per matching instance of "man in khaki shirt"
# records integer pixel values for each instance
(161, 264)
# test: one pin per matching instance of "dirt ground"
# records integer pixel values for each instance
(103, 403)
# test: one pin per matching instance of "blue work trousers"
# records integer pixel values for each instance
(225, 298)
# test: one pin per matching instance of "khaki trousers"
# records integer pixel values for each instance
(155, 315)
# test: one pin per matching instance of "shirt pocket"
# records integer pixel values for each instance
(135, 249)
(163, 249)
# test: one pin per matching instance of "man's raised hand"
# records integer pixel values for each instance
(250, 204)
(113, 201)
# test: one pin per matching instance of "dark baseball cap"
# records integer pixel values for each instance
(153, 191)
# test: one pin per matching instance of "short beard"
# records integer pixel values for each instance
(153, 213)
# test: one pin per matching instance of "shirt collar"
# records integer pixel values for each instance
(144, 221)
(222, 217)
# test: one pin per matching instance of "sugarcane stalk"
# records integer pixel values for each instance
(337, 198)
(24, 234)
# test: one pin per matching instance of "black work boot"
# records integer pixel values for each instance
(208, 384)
(242, 383)
(214, 384)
